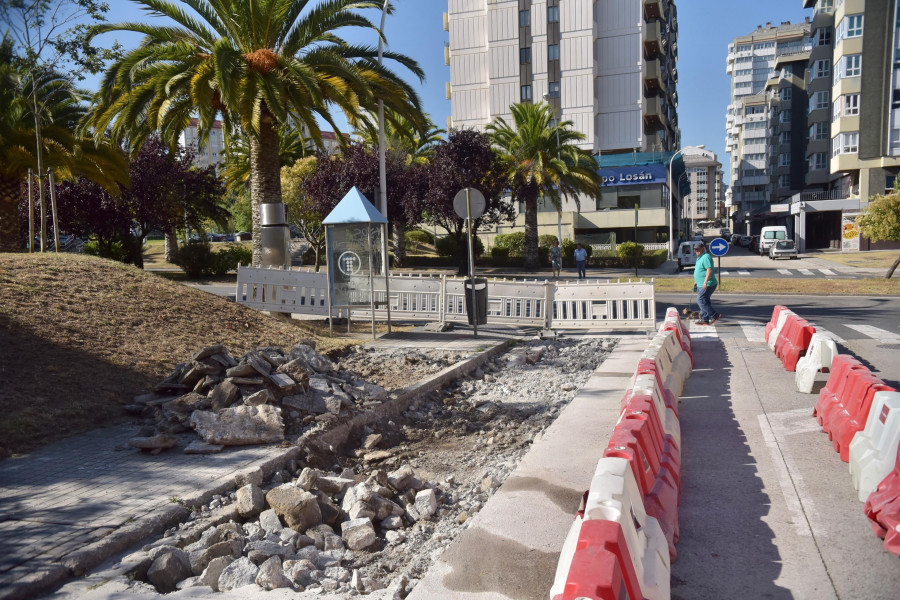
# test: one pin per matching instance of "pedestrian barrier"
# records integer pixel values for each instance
(643, 407)
(672, 316)
(672, 361)
(774, 320)
(586, 304)
(633, 440)
(834, 390)
(883, 509)
(773, 333)
(600, 568)
(665, 402)
(683, 341)
(793, 340)
(850, 416)
(873, 451)
(822, 349)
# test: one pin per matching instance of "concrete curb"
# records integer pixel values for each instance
(81, 561)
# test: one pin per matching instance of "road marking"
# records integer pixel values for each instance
(753, 331)
(725, 273)
(882, 335)
(784, 271)
(826, 271)
(703, 332)
(806, 272)
(791, 487)
(743, 272)
(834, 336)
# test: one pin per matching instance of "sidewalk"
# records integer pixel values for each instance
(68, 507)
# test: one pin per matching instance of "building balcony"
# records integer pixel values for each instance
(654, 82)
(655, 114)
(653, 41)
(652, 9)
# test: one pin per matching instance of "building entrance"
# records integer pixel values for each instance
(823, 230)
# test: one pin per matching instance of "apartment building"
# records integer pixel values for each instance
(767, 109)
(210, 153)
(705, 200)
(608, 67)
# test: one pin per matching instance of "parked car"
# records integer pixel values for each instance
(736, 239)
(783, 249)
(685, 256)
(753, 246)
(243, 236)
(697, 237)
(769, 235)
(745, 241)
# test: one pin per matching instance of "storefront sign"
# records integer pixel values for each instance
(648, 174)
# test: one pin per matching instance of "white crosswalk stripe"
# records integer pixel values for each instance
(784, 271)
(833, 336)
(743, 272)
(725, 273)
(882, 335)
(753, 331)
(805, 271)
(826, 271)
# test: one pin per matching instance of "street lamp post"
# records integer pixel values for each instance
(559, 211)
(382, 181)
(671, 192)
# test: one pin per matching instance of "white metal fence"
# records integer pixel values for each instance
(614, 247)
(578, 304)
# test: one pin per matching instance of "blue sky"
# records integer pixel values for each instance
(706, 27)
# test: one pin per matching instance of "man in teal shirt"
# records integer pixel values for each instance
(705, 280)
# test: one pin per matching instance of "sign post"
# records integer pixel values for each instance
(469, 204)
(718, 247)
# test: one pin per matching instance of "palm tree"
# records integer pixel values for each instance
(257, 64)
(540, 158)
(404, 136)
(59, 109)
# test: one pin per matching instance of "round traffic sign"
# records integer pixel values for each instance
(718, 247)
(476, 203)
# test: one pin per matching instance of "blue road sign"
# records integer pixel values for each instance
(718, 247)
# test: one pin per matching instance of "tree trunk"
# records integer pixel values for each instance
(10, 230)
(171, 246)
(265, 173)
(399, 232)
(893, 268)
(531, 231)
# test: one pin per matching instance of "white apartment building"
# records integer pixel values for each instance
(608, 67)
(210, 153)
(757, 63)
(703, 171)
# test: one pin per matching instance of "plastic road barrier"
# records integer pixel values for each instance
(883, 509)
(851, 414)
(601, 568)
(673, 362)
(633, 440)
(833, 391)
(642, 406)
(793, 341)
(774, 320)
(873, 451)
(685, 342)
(672, 316)
(665, 403)
(772, 334)
(822, 349)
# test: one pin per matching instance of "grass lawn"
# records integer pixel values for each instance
(155, 253)
(876, 259)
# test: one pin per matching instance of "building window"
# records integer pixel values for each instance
(524, 18)
(554, 89)
(850, 26)
(845, 143)
(818, 161)
(818, 131)
(895, 99)
(823, 36)
(846, 106)
(784, 137)
(819, 101)
(821, 68)
(525, 93)
(784, 181)
(785, 94)
(784, 116)
(524, 56)
(784, 160)
(553, 14)
(553, 52)
(850, 66)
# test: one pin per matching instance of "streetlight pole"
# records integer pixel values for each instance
(382, 181)
(559, 211)
(672, 194)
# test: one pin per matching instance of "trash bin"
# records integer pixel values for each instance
(481, 299)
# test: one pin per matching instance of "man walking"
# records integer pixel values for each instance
(581, 261)
(705, 282)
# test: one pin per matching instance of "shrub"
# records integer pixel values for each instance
(513, 242)
(499, 253)
(447, 246)
(228, 258)
(544, 255)
(418, 236)
(116, 250)
(195, 259)
(546, 241)
(631, 254)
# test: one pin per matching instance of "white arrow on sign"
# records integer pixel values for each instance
(718, 247)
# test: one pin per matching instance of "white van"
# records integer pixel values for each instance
(769, 235)
(685, 256)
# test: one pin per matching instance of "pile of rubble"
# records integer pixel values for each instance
(233, 402)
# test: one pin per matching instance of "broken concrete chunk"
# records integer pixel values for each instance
(240, 425)
(238, 574)
(250, 500)
(358, 534)
(198, 447)
(241, 370)
(209, 351)
(426, 503)
(259, 398)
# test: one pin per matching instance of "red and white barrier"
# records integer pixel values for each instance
(873, 451)
(773, 321)
(883, 509)
(773, 333)
(793, 340)
(822, 350)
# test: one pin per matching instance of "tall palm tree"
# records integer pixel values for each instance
(59, 109)
(540, 158)
(257, 64)
(403, 135)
